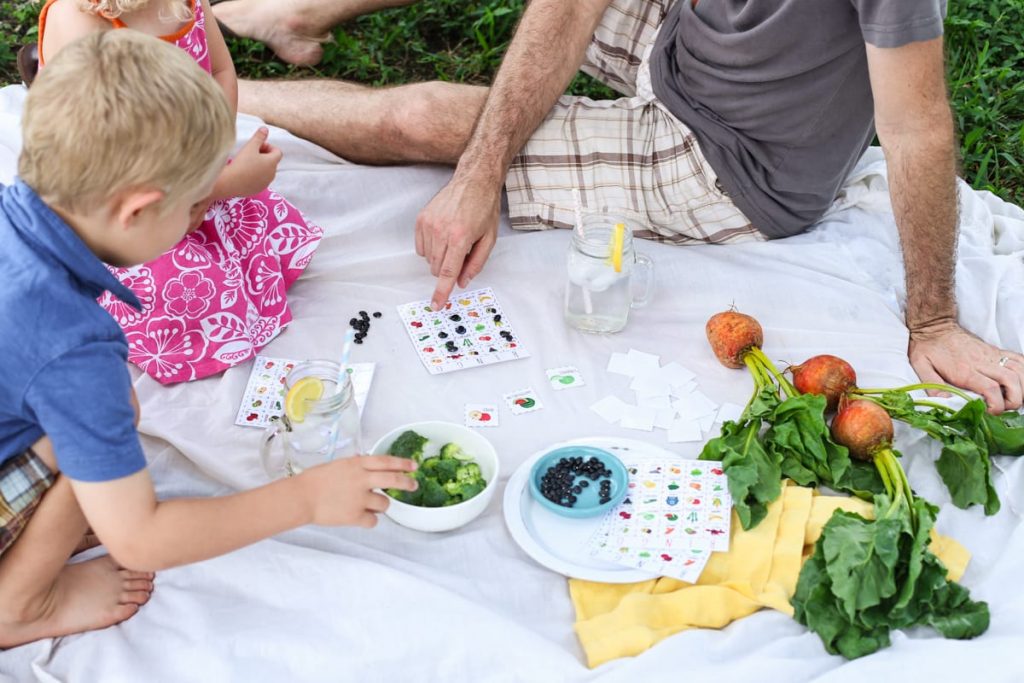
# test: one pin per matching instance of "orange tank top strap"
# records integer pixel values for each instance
(117, 23)
(42, 28)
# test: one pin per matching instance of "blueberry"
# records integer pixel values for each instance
(577, 489)
(604, 500)
(377, 314)
(460, 329)
(584, 483)
(353, 322)
(359, 341)
(363, 314)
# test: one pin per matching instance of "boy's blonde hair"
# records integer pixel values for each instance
(177, 9)
(120, 110)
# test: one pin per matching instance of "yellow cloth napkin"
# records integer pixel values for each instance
(760, 570)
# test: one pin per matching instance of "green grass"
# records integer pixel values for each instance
(463, 41)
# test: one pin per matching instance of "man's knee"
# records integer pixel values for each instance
(435, 117)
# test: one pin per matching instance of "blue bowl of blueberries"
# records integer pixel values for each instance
(578, 481)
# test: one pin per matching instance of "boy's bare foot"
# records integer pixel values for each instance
(86, 596)
(281, 24)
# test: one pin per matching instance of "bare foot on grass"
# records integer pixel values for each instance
(279, 24)
(86, 596)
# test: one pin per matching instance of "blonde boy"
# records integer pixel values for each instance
(123, 136)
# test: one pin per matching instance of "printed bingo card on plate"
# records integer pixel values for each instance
(675, 514)
(470, 332)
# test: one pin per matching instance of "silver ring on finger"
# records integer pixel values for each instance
(1003, 361)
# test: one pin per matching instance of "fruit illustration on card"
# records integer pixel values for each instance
(481, 415)
(563, 378)
(524, 401)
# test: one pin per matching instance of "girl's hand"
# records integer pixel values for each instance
(253, 168)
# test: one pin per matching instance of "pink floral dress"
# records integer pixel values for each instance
(219, 296)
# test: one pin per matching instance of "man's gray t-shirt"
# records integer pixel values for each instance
(778, 95)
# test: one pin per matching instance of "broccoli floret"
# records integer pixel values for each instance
(468, 472)
(460, 491)
(454, 451)
(408, 445)
(440, 468)
(410, 497)
(434, 495)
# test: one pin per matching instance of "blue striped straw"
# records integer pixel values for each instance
(346, 350)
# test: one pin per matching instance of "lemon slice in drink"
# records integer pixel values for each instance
(617, 244)
(296, 402)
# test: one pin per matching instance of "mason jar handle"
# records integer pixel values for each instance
(274, 470)
(644, 282)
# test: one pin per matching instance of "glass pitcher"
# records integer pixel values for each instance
(329, 429)
(601, 290)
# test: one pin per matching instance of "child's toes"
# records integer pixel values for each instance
(138, 585)
(135, 598)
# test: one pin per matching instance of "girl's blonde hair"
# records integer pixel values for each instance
(120, 110)
(176, 9)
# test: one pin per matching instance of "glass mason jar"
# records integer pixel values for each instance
(598, 297)
(329, 429)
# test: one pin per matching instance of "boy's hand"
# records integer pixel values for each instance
(342, 491)
(254, 167)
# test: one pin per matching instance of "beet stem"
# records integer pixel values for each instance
(768, 365)
(927, 386)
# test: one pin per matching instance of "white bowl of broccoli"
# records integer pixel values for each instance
(458, 474)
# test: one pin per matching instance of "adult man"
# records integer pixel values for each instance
(741, 121)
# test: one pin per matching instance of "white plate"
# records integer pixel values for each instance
(560, 543)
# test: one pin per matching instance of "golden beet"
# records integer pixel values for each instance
(732, 335)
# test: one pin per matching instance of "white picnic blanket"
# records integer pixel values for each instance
(392, 604)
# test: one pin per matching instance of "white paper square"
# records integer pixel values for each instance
(643, 363)
(729, 411)
(695, 406)
(638, 417)
(650, 384)
(665, 418)
(684, 389)
(656, 402)
(706, 422)
(676, 375)
(610, 408)
(620, 365)
(684, 430)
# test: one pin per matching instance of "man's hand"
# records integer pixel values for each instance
(948, 354)
(455, 232)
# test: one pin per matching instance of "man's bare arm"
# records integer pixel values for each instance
(456, 231)
(542, 59)
(915, 127)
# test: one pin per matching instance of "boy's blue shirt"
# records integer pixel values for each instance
(62, 357)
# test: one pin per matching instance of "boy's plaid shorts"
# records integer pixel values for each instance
(24, 479)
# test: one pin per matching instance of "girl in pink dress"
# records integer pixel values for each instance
(220, 295)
